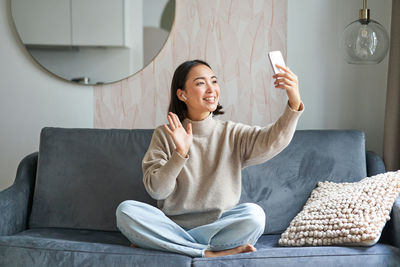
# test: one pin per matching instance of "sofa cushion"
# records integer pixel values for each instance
(269, 253)
(68, 247)
(345, 213)
(283, 184)
(83, 175)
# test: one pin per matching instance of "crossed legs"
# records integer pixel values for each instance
(236, 231)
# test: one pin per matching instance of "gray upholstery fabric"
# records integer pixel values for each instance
(270, 254)
(68, 247)
(394, 225)
(83, 174)
(375, 164)
(97, 169)
(283, 184)
(15, 201)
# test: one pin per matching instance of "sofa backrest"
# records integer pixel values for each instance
(83, 175)
(283, 184)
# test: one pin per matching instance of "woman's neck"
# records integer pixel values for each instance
(198, 117)
(201, 127)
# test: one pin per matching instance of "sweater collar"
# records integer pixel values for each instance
(203, 127)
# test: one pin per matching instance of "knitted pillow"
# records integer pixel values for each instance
(344, 213)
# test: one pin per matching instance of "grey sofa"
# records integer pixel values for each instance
(60, 211)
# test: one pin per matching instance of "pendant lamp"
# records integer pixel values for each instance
(365, 40)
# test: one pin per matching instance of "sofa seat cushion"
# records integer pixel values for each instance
(269, 253)
(68, 247)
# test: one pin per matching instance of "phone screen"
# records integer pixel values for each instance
(276, 57)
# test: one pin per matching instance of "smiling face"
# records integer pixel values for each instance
(201, 92)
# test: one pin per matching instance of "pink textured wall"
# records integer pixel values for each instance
(234, 37)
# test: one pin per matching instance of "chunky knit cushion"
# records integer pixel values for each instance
(344, 213)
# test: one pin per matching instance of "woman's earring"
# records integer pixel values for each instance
(183, 96)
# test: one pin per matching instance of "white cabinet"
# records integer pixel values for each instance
(98, 22)
(71, 22)
(45, 22)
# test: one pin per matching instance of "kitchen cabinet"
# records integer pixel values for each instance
(44, 22)
(98, 22)
(72, 22)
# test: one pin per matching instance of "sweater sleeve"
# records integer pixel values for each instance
(161, 166)
(259, 144)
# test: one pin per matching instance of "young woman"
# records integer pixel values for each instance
(193, 168)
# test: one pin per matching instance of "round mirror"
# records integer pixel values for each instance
(93, 41)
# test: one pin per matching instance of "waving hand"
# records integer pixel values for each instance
(182, 138)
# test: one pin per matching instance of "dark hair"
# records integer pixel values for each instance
(178, 82)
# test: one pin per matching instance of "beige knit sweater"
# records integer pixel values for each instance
(194, 191)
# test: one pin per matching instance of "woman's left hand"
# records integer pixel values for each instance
(288, 81)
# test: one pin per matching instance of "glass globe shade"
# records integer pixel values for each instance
(365, 42)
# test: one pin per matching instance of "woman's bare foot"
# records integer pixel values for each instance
(241, 249)
(133, 246)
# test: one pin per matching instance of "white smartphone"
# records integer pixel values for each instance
(275, 57)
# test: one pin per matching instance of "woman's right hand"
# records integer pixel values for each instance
(182, 138)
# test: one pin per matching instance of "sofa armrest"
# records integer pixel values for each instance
(395, 223)
(375, 164)
(16, 201)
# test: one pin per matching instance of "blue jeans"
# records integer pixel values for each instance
(148, 227)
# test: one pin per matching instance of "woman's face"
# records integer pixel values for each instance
(201, 92)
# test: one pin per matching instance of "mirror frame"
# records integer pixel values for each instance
(171, 5)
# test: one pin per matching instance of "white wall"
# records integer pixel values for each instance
(154, 36)
(31, 98)
(337, 95)
(152, 11)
